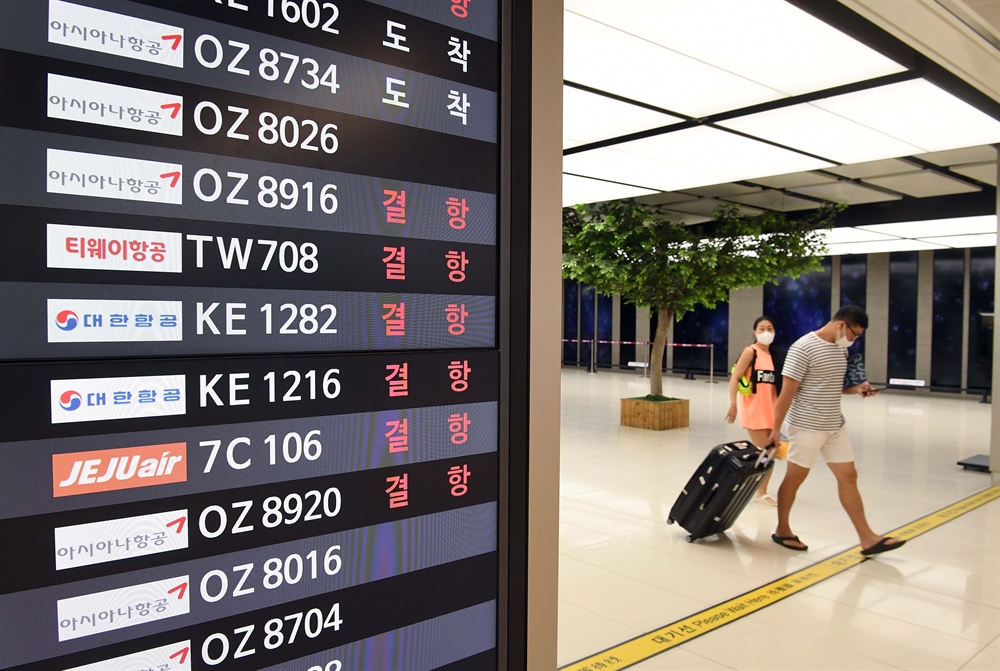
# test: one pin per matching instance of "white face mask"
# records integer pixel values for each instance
(765, 337)
(842, 340)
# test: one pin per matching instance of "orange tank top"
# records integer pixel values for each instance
(757, 409)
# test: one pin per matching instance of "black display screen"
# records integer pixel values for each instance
(249, 361)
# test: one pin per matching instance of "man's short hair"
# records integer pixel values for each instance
(853, 315)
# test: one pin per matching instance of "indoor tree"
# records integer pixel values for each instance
(625, 248)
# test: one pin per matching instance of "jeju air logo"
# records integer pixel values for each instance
(70, 400)
(67, 320)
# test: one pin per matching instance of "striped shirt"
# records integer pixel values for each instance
(819, 366)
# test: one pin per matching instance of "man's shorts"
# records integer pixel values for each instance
(805, 445)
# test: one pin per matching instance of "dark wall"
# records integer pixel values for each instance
(571, 313)
(605, 322)
(902, 345)
(627, 333)
(703, 326)
(982, 278)
(798, 305)
(946, 333)
(586, 321)
(854, 288)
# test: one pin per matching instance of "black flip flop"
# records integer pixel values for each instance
(783, 540)
(882, 546)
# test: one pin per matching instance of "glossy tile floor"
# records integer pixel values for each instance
(932, 605)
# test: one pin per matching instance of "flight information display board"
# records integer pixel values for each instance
(250, 363)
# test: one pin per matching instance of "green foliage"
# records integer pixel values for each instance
(622, 247)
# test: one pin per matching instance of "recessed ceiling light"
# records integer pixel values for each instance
(883, 246)
(963, 241)
(618, 166)
(588, 117)
(847, 234)
(822, 133)
(937, 227)
(790, 50)
(610, 60)
(717, 151)
(577, 190)
(917, 112)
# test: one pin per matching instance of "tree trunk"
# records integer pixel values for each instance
(664, 319)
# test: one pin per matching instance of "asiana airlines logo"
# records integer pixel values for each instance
(121, 468)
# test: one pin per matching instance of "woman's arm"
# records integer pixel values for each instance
(741, 367)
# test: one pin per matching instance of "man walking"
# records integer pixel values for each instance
(813, 378)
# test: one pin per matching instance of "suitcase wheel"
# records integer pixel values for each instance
(670, 520)
(691, 539)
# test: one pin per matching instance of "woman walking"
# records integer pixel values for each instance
(756, 382)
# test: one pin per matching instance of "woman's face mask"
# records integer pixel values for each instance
(765, 337)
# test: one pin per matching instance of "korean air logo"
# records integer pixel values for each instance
(67, 320)
(70, 400)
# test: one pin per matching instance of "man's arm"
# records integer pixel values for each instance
(789, 387)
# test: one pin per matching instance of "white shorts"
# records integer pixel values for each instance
(805, 444)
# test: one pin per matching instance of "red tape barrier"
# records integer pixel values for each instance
(635, 342)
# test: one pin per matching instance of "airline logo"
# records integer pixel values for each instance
(112, 105)
(99, 248)
(116, 34)
(78, 473)
(102, 398)
(114, 321)
(174, 657)
(96, 175)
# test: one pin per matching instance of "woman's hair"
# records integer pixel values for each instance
(763, 318)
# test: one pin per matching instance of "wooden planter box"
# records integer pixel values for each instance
(643, 413)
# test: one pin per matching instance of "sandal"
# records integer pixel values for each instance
(882, 546)
(765, 499)
(783, 542)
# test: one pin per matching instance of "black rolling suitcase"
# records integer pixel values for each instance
(720, 489)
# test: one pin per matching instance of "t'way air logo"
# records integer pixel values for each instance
(122, 468)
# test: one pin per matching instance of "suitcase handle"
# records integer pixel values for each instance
(769, 451)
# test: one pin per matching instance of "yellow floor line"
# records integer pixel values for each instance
(653, 643)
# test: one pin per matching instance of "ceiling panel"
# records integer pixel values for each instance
(578, 190)
(790, 50)
(883, 246)
(795, 179)
(937, 227)
(717, 151)
(845, 192)
(614, 61)
(722, 190)
(924, 184)
(984, 172)
(588, 117)
(775, 200)
(891, 166)
(978, 154)
(706, 206)
(847, 234)
(963, 241)
(685, 218)
(822, 133)
(618, 166)
(663, 198)
(917, 112)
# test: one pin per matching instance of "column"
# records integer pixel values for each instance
(925, 316)
(877, 336)
(546, 280)
(745, 305)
